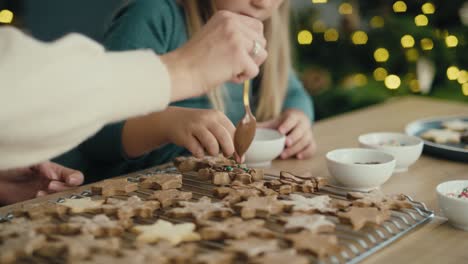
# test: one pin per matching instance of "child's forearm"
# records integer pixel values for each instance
(141, 135)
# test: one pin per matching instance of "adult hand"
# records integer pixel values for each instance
(221, 51)
(296, 126)
(26, 183)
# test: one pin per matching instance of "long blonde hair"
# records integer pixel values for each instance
(274, 72)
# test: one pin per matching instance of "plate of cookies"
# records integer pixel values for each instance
(445, 137)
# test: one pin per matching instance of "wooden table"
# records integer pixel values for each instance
(436, 242)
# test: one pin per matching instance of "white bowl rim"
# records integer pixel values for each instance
(392, 158)
(419, 140)
(450, 197)
(280, 136)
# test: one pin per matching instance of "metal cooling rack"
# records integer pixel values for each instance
(354, 245)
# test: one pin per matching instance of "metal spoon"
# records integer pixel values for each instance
(245, 130)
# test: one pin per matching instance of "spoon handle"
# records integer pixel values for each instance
(246, 94)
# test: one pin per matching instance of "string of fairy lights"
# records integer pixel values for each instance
(381, 54)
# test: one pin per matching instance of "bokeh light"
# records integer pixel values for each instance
(359, 38)
(399, 7)
(304, 37)
(392, 82)
(360, 79)
(6, 16)
(412, 55)
(427, 44)
(331, 35)
(414, 86)
(377, 22)
(462, 77)
(345, 9)
(451, 41)
(319, 26)
(428, 8)
(465, 89)
(381, 55)
(380, 74)
(452, 73)
(319, 1)
(407, 41)
(421, 20)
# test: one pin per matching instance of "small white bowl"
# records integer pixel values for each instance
(406, 153)
(455, 209)
(266, 146)
(347, 170)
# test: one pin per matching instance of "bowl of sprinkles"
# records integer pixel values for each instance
(453, 202)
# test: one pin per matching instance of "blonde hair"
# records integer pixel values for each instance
(274, 72)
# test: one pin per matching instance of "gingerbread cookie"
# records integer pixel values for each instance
(234, 195)
(378, 199)
(313, 223)
(170, 197)
(163, 230)
(441, 136)
(318, 204)
(133, 206)
(83, 205)
(78, 247)
(304, 183)
(224, 174)
(163, 252)
(214, 257)
(39, 210)
(320, 245)
(456, 125)
(113, 187)
(234, 228)
(187, 164)
(98, 226)
(252, 247)
(359, 216)
(21, 245)
(289, 256)
(260, 207)
(203, 209)
(161, 181)
(18, 226)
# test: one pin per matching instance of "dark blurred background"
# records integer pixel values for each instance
(349, 54)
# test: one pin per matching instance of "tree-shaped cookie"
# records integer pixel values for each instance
(98, 226)
(320, 245)
(113, 187)
(161, 181)
(83, 205)
(312, 223)
(318, 204)
(260, 207)
(163, 230)
(133, 206)
(169, 197)
(361, 216)
(252, 247)
(78, 247)
(21, 245)
(203, 209)
(281, 257)
(378, 199)
(234, 228)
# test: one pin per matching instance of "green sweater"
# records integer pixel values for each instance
(160, 26)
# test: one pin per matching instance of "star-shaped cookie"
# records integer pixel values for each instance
(318, 204)
(203, 209)
(234, 228)
(260, 207)
(321, 245)
(360, 216)
(163, 230)
(133, 206)
(313, 223)
(113, 187)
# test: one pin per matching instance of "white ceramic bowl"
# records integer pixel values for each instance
(455, 209)
(266, 146)
(346, 172)
(407, 153)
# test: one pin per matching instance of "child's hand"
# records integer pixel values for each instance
(26, 183)
(296, 126)
(200, 130)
